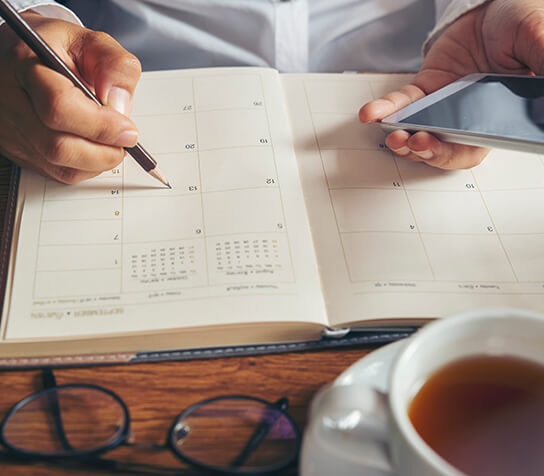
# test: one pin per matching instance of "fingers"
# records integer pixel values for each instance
(421, 146)
(62, 107)
(50, 161)
(61, 174)
(397, 142)
(106, 66)
(529, 38)
(424, 147)
(46, 123)
(390, 103)
(49, 152)
(65, 150)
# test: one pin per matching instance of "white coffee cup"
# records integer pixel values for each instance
(354, 426)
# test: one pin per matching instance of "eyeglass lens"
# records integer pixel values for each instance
(89, 419)
(238, 434)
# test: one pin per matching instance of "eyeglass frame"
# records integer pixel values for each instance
(123, 435)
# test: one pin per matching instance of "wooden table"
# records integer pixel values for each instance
(156, 393)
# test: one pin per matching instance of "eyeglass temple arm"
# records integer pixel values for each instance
(260, 432)
(49, 381)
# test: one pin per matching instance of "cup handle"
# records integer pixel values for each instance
(348, 432)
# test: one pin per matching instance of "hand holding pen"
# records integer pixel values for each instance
(51, 126)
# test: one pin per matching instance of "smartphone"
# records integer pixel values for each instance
(490, 110)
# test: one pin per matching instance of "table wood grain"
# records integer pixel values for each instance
(156, 393)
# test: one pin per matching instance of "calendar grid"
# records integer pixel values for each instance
(451, 212)
(188, 242)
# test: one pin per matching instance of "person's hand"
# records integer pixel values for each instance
(502, 36)
(46, 123)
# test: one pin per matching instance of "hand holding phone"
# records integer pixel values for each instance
(489, 110)
(501, 36)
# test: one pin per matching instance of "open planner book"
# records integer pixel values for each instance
(286, 217)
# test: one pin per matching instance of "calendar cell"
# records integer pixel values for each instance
(420, 176)
(220, 169)
(105, 209)
(156, 218)
(226, 128)
(168, 133)
(180, 169)
(504, 205)
(78, 257)
(77, 232)
(228, 92)
(509, 170)
(98, 187)
(395, 256)
(476, 258)
(360, 168)
(172, 95)
(527, 264)
(390, 212)
(239, 211)
(450, 212)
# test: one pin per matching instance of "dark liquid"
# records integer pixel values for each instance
(485, 416)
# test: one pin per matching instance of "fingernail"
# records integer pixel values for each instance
(424, 154)
(403, 151)
(120, 100)
(127, 139)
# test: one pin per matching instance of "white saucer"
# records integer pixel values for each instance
(318, 457)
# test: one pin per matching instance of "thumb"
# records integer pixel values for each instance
(529, 41)
(107, 67)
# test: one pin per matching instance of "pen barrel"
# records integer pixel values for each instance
(143, 157)
(42, 50)
(36, 43)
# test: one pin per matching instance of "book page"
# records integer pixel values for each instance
(230, 243)
(398, 239)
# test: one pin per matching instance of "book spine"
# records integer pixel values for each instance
(7, 232)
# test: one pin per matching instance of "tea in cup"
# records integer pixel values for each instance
(465, 397)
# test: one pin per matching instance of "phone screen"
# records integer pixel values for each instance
(494, 105)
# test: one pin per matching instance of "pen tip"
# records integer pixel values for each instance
(155, 172)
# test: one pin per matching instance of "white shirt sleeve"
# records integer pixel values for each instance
(46, 8)
(447, 11)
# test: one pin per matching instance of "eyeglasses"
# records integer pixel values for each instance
(232, 434)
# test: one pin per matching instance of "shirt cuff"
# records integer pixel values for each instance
(455, 9)
(47, 9)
